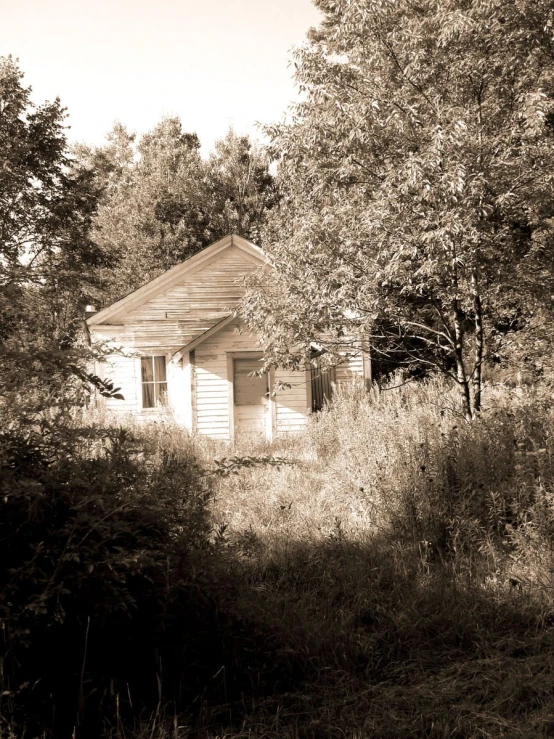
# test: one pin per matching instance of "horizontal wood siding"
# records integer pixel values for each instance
(352, 368)
(122, 371)
(176, 317)
(291, 403)
(169, 321)
(212, 383)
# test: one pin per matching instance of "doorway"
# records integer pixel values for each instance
(251, 398)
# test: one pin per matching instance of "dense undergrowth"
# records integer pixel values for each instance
(390, 574)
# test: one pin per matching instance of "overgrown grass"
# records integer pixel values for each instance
(391, 577)
(403, 566)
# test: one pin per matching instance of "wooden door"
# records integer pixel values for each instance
(251, 398)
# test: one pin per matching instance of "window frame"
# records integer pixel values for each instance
(158, 402)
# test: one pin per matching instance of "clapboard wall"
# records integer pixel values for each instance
(180, 314)
(213, 386)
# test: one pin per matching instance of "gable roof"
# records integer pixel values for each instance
(174, 275)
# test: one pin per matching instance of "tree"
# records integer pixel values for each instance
(47, 257)
(417, 179)
(163, 203)
(241, 190)
(149, 216)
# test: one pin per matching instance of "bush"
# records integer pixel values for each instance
(386, 573)
(98, 531)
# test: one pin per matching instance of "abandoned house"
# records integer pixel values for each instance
(181, 350)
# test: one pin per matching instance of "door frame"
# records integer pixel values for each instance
(271, 410)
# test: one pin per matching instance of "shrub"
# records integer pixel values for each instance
(97, 531)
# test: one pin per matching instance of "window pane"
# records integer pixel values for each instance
(148, 395)
(146, 369)
(161, 392)
(159, 369)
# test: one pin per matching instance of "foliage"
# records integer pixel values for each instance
(233, 465)
(393, 579)
(48, 261)
(403, 564)
(240, 188)
(390, 574)
(96, 530)
(46, 208)
(163, 203)
(390, 571)
(417, 184)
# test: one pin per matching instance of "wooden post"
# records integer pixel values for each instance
(366, 359)
(194, 425)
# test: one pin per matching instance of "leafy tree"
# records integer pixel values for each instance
(112, 166)
(163, 203)
(149, 216)
(169, 178)
(240, 191)
(417, 179)
(47, 257)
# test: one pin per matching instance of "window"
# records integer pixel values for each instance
(154, 381)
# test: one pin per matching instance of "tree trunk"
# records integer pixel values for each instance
(461, 375)
(478, 369)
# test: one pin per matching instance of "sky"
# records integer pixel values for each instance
(213, 63)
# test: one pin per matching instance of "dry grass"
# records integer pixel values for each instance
(395, 578)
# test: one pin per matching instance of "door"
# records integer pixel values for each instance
(251, 398)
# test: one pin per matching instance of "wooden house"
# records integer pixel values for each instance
(181, 349)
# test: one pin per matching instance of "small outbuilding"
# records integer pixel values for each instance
(181, 349)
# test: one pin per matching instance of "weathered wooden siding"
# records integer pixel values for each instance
(191, 302)
(167, 322)
(123, 372)
(212, 384)
(350, 369)
(292, 404)
(175, 317)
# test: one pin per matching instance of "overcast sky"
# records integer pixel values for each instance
(214, 63)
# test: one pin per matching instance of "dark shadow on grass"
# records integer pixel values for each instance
(343, 637)
(117, 604)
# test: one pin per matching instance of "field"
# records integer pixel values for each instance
(401, 568)
(389, 573)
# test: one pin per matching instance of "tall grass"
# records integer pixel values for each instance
(390, 574)
(401, 463)
(402, 565)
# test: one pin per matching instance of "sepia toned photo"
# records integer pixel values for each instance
(276, 369)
